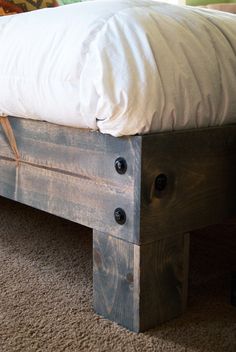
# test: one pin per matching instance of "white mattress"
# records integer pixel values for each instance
(123, 67)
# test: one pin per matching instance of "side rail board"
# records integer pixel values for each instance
(73, 173)
(139, 188)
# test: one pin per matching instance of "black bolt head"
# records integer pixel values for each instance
(120, 216)
(161, 182)
(121, 165)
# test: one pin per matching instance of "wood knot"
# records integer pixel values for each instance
(130, 277)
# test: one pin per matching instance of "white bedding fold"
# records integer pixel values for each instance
(123, 67)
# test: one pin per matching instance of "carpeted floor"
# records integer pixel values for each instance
(46, 291)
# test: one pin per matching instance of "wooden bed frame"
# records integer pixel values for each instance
(140, 194)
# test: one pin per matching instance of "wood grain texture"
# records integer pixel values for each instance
(70, 173)
(140, 272)
(72, 150)
(201, 171)
(113, 278)
(163, 280)
(6, 126)
(140, 286)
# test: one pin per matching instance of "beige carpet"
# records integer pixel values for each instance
(46, 291)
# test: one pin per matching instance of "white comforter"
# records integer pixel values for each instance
(123, 67)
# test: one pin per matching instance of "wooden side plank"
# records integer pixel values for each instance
(72, 150)
(140, 286)
(6, 126)
(72, 197)
(200, 167)
(71, 173)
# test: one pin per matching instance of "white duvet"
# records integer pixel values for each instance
(123, 67)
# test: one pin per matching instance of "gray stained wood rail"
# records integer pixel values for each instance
(140, 208)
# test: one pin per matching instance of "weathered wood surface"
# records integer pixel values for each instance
(201, 171)
(71, 150)
(140, 272)
(6, 126)
(140, 286)
(70, 173)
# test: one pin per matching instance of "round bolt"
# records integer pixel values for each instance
(121, 165)
(120, 216)
(161, 182)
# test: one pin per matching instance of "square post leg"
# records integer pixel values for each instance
(140, 286)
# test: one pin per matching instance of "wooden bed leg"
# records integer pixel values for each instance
(140, 286)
